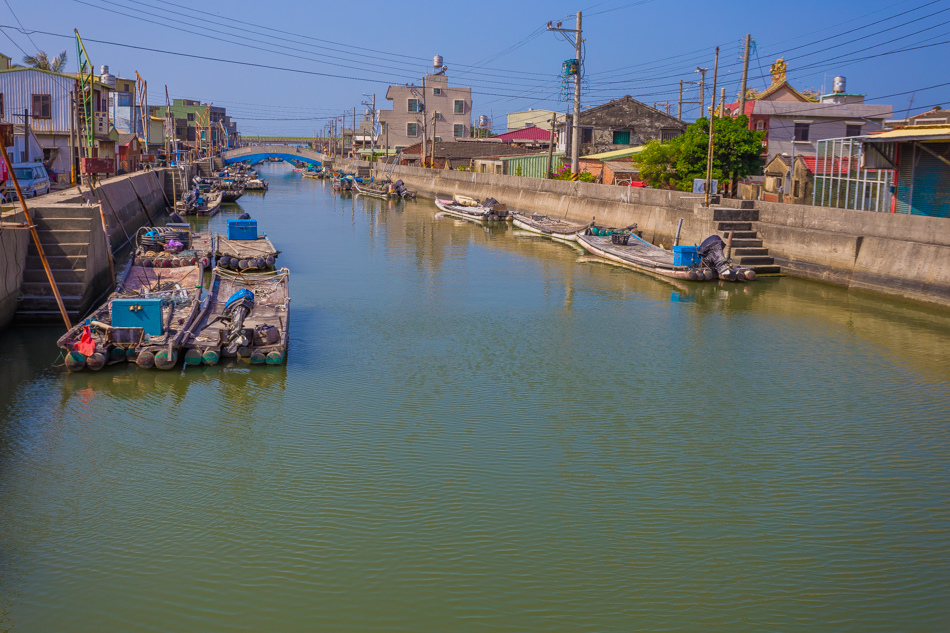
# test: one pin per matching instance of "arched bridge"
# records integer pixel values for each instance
(257, 153)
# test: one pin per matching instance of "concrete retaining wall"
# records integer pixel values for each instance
(13, 247)
(900, 255)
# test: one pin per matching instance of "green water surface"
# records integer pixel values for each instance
(480, 430)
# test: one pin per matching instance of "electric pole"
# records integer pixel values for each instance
(702, 91)
(745, 73)
(679, 107)
(712, 112)
(578, 54)
(425, 132)
(354, 132)
(435, 116)
(551, 145)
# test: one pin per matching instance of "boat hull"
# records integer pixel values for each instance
(657, 265)
(554, 230)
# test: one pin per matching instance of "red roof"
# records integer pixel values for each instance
(825, 166)
(532, 133)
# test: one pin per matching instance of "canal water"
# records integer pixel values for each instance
(481, 430)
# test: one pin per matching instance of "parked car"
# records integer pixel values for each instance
(34, 181)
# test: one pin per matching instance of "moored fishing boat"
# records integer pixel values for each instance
(255, 184)
(384, 189)
(702, 263)
(246, 316)
(555, 228)
(142, 321)
(243, 249)
(475, 210)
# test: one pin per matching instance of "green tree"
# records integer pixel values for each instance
(737, 152)
(42, 61)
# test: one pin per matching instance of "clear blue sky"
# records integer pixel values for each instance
(642, 48)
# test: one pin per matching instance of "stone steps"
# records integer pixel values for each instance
(43, 289)
(747, 249)
(62, 274)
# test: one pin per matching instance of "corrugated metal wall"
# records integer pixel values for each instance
(18, 88)
(931, 193)
(532, 166)
(905, 178)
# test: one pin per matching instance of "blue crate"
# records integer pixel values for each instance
(685, 256)
(143, 313)
(242, 229)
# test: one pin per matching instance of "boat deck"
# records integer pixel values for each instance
(243, 249)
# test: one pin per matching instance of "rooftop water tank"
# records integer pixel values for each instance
(482, 121)
(105, 77)
(437, 62)
(839, 85)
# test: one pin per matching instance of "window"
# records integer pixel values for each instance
(191, 116)
(42, 107)
(668, 135)
(621, 137)
(852, 130)
(587, 135)
(795, 189)
(438, 139)
(801, 131)
(412, 129)
(414, 105)
(124, 100)
(437, 91)
(2, 114)
(459, 106)
(759, 125)
(459, 130)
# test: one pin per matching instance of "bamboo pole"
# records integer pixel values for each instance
(712, 115)
(36, 239)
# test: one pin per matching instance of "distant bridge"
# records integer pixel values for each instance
(290, 153)
(289, 140)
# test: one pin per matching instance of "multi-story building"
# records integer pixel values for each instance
(191, 120)
(419, 111)
(794, 122)
(530, 118)
(42, 106)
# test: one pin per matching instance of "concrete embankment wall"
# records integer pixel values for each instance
(900, 255)
(13, 246)
(77, 240)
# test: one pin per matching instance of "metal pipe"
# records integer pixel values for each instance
(679, 227)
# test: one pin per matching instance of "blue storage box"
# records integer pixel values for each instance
(685, 256)
(242, 229)
(143, 313)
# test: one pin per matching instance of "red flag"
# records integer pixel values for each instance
(86, 346)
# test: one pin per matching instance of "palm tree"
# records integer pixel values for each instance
(41, 61)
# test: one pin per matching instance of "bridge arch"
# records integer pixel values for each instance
(290, 153)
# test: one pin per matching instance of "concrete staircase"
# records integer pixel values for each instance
(65, 233)
(747, 247)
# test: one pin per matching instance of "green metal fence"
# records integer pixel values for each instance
(533, 166)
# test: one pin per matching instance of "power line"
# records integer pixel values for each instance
(22, 27)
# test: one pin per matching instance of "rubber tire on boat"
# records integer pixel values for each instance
(210, 357)
(96, 361)
(75, 361)
(258, 358)
(145, 360)
(164, 360)
(275, 358)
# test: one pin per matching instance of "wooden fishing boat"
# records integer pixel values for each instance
(490, 210)
(143, 321)
(555, 228)
(255, 184)
(231, 192)
(311, 174)
(155, 247)
(246, 316)
(245, 255)
(641, 255)
(209, 204)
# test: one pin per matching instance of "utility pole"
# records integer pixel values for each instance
(679, 107)
(702, 91)
(578, 54)
(722, 102)
(435, 116)
(425, 132)
(712, 112)
(72, 134)
(372, 131)
(353, 136)
(551, 145)
(745, 73)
